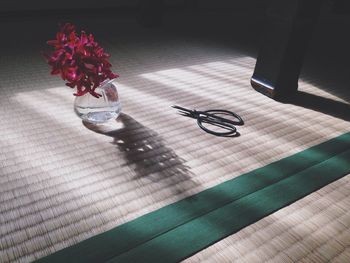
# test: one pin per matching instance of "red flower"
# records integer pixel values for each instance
(79, 60)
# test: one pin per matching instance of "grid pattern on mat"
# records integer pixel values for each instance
(313, 229)
(62, 182)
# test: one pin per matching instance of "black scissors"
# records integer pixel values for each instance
(212, 117)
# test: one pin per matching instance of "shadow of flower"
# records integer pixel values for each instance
(147, 153)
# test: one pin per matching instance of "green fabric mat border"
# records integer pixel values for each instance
(179, 230)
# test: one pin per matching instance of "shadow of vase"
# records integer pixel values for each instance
(147, 153)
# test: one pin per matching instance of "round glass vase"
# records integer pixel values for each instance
(99, 110)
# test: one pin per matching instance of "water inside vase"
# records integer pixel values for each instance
(99, 110)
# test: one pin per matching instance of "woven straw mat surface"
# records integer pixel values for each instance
(62, 181)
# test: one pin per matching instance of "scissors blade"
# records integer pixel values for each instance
(184, 111)
(181, 108)
(184, 114)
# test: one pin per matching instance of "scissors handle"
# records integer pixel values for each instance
(213, 116)
(231, 129)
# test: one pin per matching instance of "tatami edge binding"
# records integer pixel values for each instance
(126, 237)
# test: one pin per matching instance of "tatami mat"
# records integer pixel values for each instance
(313, 229)
(62, 181)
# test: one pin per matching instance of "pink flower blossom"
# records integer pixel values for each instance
(79, 60)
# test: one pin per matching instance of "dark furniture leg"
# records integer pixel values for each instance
(288, 31)
(150, 12)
